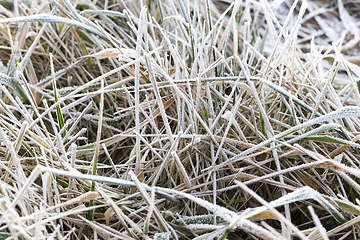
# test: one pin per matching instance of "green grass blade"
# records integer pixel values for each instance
(7, 81)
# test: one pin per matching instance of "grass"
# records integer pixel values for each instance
(179, 120)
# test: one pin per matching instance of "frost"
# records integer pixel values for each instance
(212, 235)
(331, 32)
(340, 113)
(202, 227)
(227, 115)
(53, 19)
(349, 23)
(288, 95)
(2, 68)
(276, 4)
(301, 194)
(47, 80)
(225, 214)
(273, 86)
(7, 81)
(322, 128)
(122, 53)
(197, 140)
(66, 90)
(345, 142)
(354, 71)
(104, 12)
(201, 219)
(162, 236)
(243, 224)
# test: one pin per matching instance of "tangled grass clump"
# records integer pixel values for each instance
(179, 119)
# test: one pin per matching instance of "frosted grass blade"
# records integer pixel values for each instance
(341, 113)
(301, 194)
(104, 12)
(43, 17)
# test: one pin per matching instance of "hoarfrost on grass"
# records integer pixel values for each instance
(187, 82)
(43, 17)
(348, 111)
(162, 236)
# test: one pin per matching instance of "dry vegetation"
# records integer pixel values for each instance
(179, 119)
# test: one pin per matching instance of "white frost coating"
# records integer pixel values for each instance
(354, 70)
(102, 179)
(220, 211)
(104, 12)
(288, 95)
(197, 140)
(207, 219)
(53, 19)
(122, 53)
(330, 31)
(225, 214)
(212, 235)
(301, 194)
(340, 113)
(162, 236)
(65, 90)
(276, 4)
(273, 86)
(350, 24)
(331, 163)
(3, 69)
(202, 227)
(58, 74)
(255, 229)
(322, 128)
(346, 142)
(6, 80)
(227, 115)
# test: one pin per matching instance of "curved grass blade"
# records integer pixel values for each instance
(301, 194)
(53, 19)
